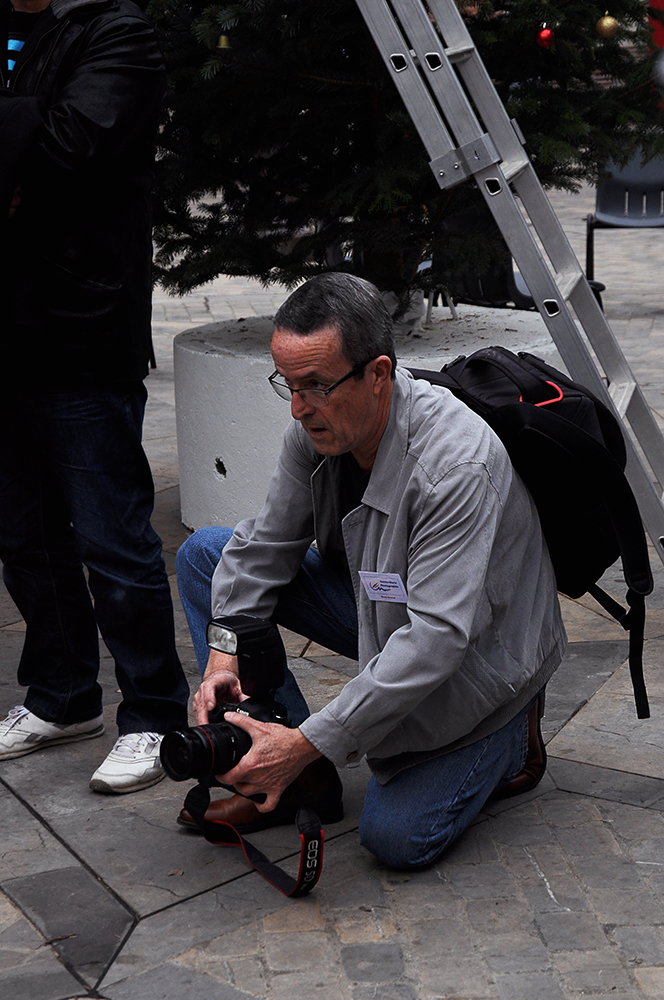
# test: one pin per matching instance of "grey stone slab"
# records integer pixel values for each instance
(170, 933)
(388, 991)
(42, 979)
(29, 967)
(589, 972)
(528, 985)
(27, 845)
(173, 982)
(374, 963)
(516, 951)
(571, 931)
(83, 921)
(585, 667)
(641, 945)
(605, 783)
(481, 881)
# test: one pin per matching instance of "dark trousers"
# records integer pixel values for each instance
(76, 490)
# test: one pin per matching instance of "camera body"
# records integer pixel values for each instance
(203, 751)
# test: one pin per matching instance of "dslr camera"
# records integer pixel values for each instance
(202, 751)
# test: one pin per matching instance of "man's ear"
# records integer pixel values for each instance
(382, 370)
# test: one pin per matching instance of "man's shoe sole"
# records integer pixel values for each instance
(101, 786)
(333, 814)
(52, 742)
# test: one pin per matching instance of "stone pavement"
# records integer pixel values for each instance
(558, 894)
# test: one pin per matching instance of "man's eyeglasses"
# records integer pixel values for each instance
(315, 397)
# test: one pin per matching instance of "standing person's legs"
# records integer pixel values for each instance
(44, 576)
(411, 820)
(89, 442)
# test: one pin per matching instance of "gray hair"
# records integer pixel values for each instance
(351, 305)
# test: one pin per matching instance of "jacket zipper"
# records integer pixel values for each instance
(58, 29)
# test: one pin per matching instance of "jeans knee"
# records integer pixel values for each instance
(398, 847)
(201, 552)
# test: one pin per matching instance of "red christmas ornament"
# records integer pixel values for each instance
(545, 37)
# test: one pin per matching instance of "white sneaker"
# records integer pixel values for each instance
(132, 764)
(23, 732)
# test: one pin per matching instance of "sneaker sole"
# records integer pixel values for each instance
(51, 742)
(104, 788)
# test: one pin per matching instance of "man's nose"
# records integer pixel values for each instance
(300, 407)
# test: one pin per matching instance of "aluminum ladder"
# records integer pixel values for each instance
(467, 133)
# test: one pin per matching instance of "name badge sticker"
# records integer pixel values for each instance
(384, 587)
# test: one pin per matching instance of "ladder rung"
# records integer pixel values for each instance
(457, 53)
(512, 168)
(621, 393)
(568, 282)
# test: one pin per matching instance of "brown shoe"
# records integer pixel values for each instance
(535, 766)
(318, 787)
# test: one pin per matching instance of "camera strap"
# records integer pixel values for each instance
(311, 850)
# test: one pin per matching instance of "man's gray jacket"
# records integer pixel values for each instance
(481, 631)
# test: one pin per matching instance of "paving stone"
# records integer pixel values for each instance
(585, 667)
(480, 881)
(515, 951)
(571, 931)
(320, 983)
(419, 901)
(641, 945)
(461, 977)
(298, 951)
(374, 963)
(368, 923)
(83, 921)
(44, 979)
(173, 982)
(446, 935)
(603, 783)
(490, 917)
(299, 915)
(651, 981)
(527, 985)
(588, 972)
(388, 991)
(623, 906)
(27, 845)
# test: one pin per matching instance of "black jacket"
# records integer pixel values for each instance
(77, 131)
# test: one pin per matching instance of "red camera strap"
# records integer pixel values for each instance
(311, 850)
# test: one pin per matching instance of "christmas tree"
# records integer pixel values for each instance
(286, 150)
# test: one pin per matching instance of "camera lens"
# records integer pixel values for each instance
(203, 750)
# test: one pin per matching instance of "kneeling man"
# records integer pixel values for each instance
(429, 567)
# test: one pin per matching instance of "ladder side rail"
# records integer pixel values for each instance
(445, 84)
(545, 222)
(599, 333)
(647, 498)
(639, 416)
(476, 78)
(412, 89)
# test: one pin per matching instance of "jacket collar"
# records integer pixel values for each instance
(61, 8)
(393, 446)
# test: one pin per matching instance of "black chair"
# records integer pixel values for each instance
(501, 287)
(628, 198)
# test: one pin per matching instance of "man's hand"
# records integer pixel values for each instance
(276, 757)
(220, 683)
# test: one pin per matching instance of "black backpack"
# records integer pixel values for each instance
(569, 449)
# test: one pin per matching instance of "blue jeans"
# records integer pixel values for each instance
(411, 820)
(76, 490)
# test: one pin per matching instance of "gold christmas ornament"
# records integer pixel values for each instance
(223, 42)
(606, 26)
